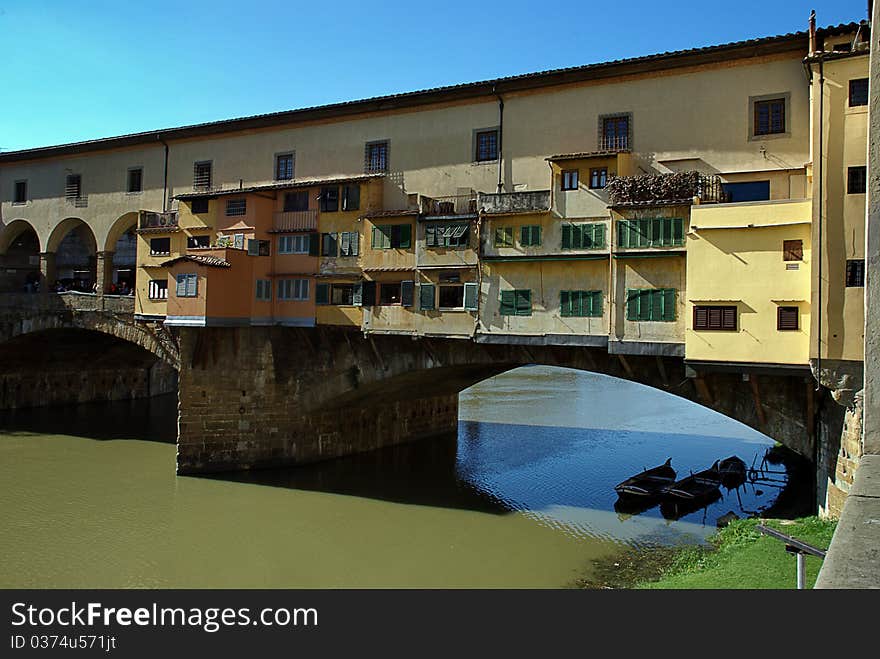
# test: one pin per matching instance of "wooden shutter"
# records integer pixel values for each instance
(405, 236)
(368, 295)
(322, 294)
(407, 293)
(344, 243)
(181, 286)
(792, 250)
(633, 303)
(314, 244)
(253, 247)
(598, 235)
(668, 304)
(525, 236)
(355, 243)
(430, 240)
(577, 236)
(787, 318)
(566, 236)
(508, 303)
(678, 231)
(471, 296)
(596, 302)
(426, 297)
(357, 294)
(192, 285)
(523, 302)
(564, 303)
(728, 318)
(701, 318)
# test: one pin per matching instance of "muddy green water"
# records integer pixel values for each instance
(522, 497)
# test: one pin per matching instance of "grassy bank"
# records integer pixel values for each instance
(740, 557)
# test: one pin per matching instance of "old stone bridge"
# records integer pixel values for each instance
(269, 396)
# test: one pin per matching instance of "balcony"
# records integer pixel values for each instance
(447, 206)
(296, 221)
(679, 187)
(614, 143)
(515, 202)
(155, 220)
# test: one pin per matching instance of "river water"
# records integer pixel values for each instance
(522, 497)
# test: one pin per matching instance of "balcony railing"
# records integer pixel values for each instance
(514, 202)
(614, 142)
(449, 205)
(659, 188)
(296, 220)
(151, 219)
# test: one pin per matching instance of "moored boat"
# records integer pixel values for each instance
(696, 487)
(649, 483)
(732, 471)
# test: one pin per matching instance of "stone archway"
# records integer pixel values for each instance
(19, 257)
(70, 259)
(117, 260)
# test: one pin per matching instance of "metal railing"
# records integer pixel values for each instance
(153, 219)
(296, 220)
(614, 143)
(449, 205)
(507, 202)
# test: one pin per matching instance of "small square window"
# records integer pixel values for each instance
(598, 178)
(769, 117)
(856, 180)
(284, 167)
(569, 179)
(858, 92)
(20, 193)
(787, 318)
(486, 145)
(199, 206)
(792, 250)
(504, 237)
(235, 207)
(135, 179)
(376, 157)
(855, 273)
(389, 293)
(160, 246)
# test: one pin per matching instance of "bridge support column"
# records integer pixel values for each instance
(48, 274)
(103, 271)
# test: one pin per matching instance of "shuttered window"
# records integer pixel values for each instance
(426, 297)
(264, 290)
(580, 304)
(471, 296)
(769, 117)
(715, 318)
(329, 244)
(351, 197)
(787, 318)
(330, 199)
(516, 302)
(583, 236)
(792, 250)
(530, 236)
(322, 294)
(504, 237)
(650, 304)
(650, 232)
(455, 235)
(407, 293)
(293, 289)
(392, 236)
(187, 285)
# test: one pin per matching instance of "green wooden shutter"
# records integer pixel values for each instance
(564, 303)
(596, 304)
(577, 236)
(566, 236)
(668, 304)
(508, 303)
(525, 236)
(633, 298)
(598, 235)
(405, 236)
(622, 233)
(407, 293)
(253, 247)
(426, 297)
(678, 231)
(523, 302)
(314, 244)
(471, 296)
(322, 294)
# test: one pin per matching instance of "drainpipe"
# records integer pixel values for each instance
(820, 232)
(164, 176)
(500, 139)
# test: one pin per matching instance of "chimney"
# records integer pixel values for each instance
(812, 32)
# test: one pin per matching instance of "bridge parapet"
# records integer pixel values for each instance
(28, 303)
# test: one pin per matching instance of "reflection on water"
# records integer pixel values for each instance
(522, 497)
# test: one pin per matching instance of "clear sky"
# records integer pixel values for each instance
(95, 68)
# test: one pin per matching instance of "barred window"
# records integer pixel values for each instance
(202, 175)
(769, 117)
(236, 207)
(284, 167)
(487, 145)
(376, 157)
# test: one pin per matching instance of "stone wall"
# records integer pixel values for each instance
(838, 466)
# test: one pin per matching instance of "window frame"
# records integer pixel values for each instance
(756, 102)
(855, 273)
(619, 143)
(154, 252)
(851, 89)
(602, 172)
(394, 235)
(155, 285)
(722, 325)
(197, 185)
(16, 201)
(780, 311)
(290, 289)
(569, 179)
(186, 277)
(792, 250)
(128, 180)
(857, 177)
(382, 165)
(200, 201)
(278, 159)
(507, 231)
(68, 185)
(292, 240)
(530, 235)
(263, 290)
(446, 307)
(495, 151)
(233, 204)
(299, 195)
(192, 242)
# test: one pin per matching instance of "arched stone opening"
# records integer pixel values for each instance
(19, 258)
(116, 264)
(71, 257)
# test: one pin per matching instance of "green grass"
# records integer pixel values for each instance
(743, 558)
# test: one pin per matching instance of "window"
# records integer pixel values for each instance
(858, 92)
(504, 237)
(296, 201)
(199, 206)
(135, 179)
(73, 186)
(517, 302)
(351, 197)
(284, 167)
(614, 132)
(598, 178)
(426, 297)
(392, 236)
(787, 318)
(792, 250)
(19, 195)
(583, 236)
(569, 179)
(329, 244)
(530, 236)
(855, 273)
(158, 289)
(258, 247)
(349, 242)
(856, 180)
(769, 117)
(376, 157)
(329, 199)
(747, 191)
(456, 235)
(297, 244)
(652, 232)
(486, 145)
(580, 304)
(202, 175)
(650, 304)
(715, 318)
(389, 293)
(160, 246)
(342, 294)
(195, 242)
(451, 297)
(187, 285)
(236, 207)
(293, 289)
(264, 290)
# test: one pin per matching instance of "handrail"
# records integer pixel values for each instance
(794, 546)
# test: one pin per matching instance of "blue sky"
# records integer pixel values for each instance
(95, 68)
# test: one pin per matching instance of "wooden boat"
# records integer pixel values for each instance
(649, 483)
(674, 509)
(732, 471)
(696, 487)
